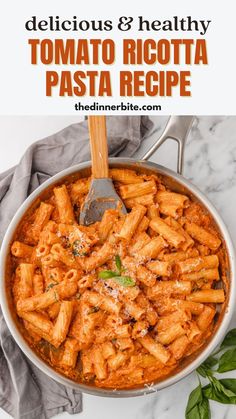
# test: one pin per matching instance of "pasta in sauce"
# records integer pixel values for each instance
(121, 302)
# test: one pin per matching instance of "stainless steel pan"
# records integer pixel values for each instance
(177, 128)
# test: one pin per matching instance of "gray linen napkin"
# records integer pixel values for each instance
(26, 392)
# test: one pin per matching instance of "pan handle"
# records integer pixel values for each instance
(177, 128)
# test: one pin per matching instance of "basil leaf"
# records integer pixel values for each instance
(210, 362)
(211, 393)
(229, 383)
(220, 388)
(205, 368)
(203, 409)
(107, 274)
(198, 405)
(219, 393)
(126, 281)
(230, 339)
(202, 371)
(227, 361)
(118, 263)
(195, 397)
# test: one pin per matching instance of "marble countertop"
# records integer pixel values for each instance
(210, 163)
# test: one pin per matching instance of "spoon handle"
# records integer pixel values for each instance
(98, 146)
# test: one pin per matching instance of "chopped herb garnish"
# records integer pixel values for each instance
(56, 296)
(93, 310)
(125, 281)
(77, 249)
(78, 296)
(51, 285)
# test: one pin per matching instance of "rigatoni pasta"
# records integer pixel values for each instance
(121, 302)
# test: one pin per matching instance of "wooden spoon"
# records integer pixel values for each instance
(102, 194)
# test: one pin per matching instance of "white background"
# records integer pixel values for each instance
(23, 85)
